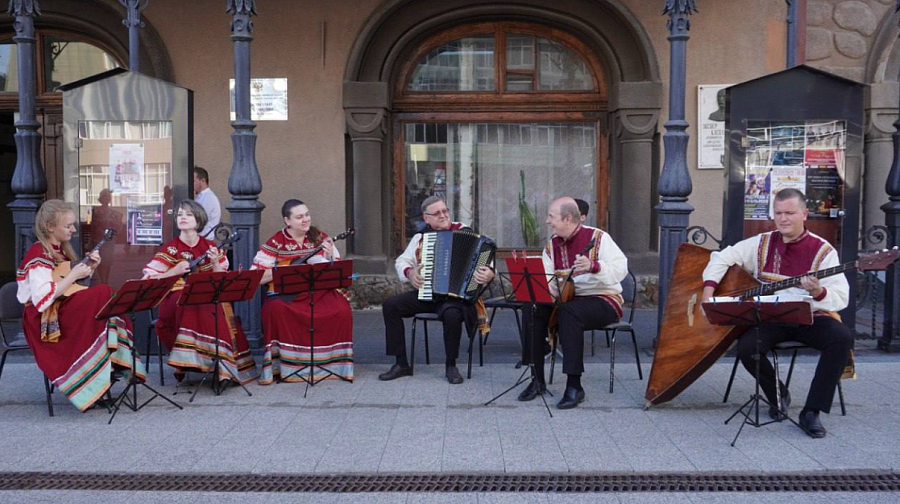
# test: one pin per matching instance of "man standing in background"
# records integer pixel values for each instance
(207, 199)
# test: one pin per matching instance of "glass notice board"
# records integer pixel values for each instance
(125, 183)
(804, 155)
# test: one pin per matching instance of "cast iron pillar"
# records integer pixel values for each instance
(244, 183)
(133, 21)
(887, 342)
(675, 181)
(791, 56)
(28, 182)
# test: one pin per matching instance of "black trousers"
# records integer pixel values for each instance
(452, 313)
(832, 338)
(576, 316)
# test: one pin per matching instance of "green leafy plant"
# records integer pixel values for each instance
(530, 232)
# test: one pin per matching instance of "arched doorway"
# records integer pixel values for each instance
(385, 115)
(498, 118)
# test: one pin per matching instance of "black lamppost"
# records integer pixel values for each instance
(892, 221)
(134, 24)
(28, 181)
(791, 21)
(674, 181)
(244, 183)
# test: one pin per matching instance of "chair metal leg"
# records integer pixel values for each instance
(787, 383)
(490, 323)
(607, 340)
(3, 361)
(412, 350)
(49, 390)
(592, 343)
(481, 343)
(731, 380)
(612, 361)
(841, 397)
(427, 353)
(159, 357)
(471, 345)
(552, 359)
(637, 357)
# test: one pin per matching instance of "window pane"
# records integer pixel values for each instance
(520, 52)
(562, 69)
(9, 67)
(466, 64)
(519, 83)
(67, 61)
(480, 168)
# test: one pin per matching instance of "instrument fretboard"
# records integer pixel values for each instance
(769, 288)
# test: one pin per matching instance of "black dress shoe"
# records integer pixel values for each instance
(571, 398)
(453, 375)
(534, 389)
(395, 372)
(774, 414)
(809, 422)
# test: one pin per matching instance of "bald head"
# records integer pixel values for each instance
(563, 217)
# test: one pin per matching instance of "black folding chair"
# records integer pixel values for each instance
(159, 348)
(11, 313)
(629, 293)
(787, 346)
(433, 317)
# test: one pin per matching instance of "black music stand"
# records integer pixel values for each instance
(531, 289)
(136, 296)
(755, 313)
(214, 288)
(311, 278)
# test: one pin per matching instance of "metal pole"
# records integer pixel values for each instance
(791, 33)
(675, 181)
(133, 22)
(887, 342)
(28, 182)
(244, 183)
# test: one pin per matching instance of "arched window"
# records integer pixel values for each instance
(500, 119)
(61, 59)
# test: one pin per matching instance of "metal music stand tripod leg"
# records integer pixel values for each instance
(311, 277)
(752, 404)
(526, 277)
(217, 389)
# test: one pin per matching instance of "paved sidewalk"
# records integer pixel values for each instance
(421, 424)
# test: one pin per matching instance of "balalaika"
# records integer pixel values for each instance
(449, 260)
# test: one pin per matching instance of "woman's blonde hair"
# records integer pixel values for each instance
(48, 215)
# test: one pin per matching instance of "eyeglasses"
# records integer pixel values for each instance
(439, 212)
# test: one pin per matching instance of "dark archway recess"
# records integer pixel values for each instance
(397, 29)
(101, 21)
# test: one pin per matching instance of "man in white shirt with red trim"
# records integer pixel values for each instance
(792, 251)
(452, 312)
(598, 302)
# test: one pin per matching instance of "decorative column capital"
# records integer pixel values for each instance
(636, 124)
(133, 9)
(679, 12)
(241, 25)
(24, 8)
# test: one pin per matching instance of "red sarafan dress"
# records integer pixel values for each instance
(74, 350)
(189, 332)
(286, 324)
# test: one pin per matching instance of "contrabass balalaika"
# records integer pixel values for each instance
(449, 260)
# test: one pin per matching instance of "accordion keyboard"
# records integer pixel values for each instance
(429, 241)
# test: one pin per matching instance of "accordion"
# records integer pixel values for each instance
(449, 260)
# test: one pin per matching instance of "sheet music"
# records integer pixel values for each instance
(776, 298)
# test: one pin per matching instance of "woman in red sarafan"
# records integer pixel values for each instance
(286, 322)
(80, 355)
(189, 332)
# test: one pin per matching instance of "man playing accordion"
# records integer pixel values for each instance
(452, 312)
